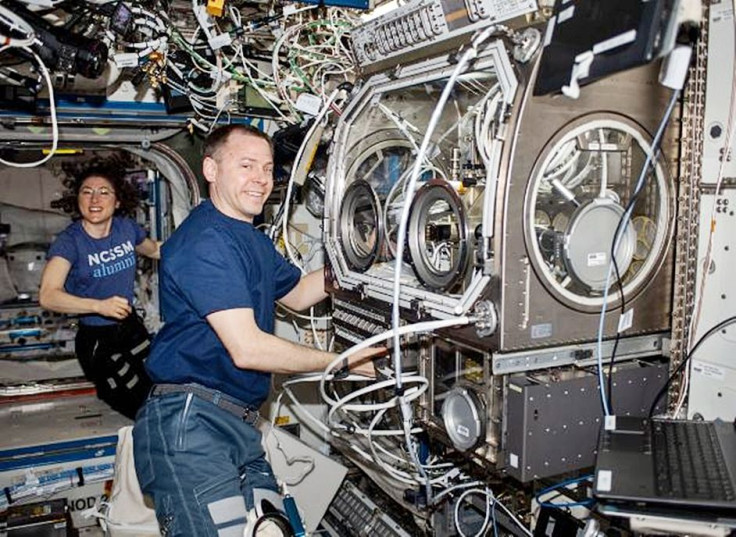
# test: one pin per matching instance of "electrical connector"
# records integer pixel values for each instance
(293, 514)
(215, 8)
(675, 67)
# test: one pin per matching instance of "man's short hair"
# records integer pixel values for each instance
(218, 137)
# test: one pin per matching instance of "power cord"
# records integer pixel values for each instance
(685, 360)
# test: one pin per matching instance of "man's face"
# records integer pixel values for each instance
(240, 175)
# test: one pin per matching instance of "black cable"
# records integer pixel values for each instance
(685, 360)
(619, 281)
(618, 333)
(656, 150)
(278, 519)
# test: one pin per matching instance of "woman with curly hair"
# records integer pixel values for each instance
(91, 271)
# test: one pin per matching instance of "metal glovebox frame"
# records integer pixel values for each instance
(494, 58)
(532, 253)
(535, 313)
(521, 229)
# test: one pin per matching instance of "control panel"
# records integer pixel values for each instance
(422, 23)
(354, 323)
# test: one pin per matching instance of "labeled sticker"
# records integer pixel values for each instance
(309, 104)
(514, 460)
(126, 59)
(220, 40)
(626, 320)
(596, 259)
(610, 423)
(604, 481)
(709, 370)
(541, 330)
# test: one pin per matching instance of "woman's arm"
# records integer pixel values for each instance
(52, 295)
(149, 248)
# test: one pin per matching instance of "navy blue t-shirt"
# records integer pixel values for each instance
(214, 263)
(101, 268)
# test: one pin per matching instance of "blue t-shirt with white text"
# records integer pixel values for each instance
(214, 263)
(100, 268)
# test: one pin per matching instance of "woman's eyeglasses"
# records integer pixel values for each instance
(102, 192)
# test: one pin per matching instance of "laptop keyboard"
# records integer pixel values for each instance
(688, 461)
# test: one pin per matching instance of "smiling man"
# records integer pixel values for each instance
(197, 452)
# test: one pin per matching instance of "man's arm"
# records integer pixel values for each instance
(149, 248)
(251, 348)
(309, 291)
(52, 295)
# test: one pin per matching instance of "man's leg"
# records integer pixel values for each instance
(257, 474)
(187, 456)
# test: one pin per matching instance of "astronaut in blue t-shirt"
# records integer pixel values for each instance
(197, 453)
(91, 271)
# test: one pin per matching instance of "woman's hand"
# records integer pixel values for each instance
(116, 307)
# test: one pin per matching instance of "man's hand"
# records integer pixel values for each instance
(116, 307)
(361, 363)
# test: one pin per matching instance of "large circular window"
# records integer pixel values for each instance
(578, 196)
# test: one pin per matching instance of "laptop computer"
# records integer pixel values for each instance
(677, 463)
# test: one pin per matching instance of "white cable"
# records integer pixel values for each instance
(401, 124)
(290, 461)
(449, 490)
(406, 411)
(488, 500)
(301, 315)
(280, 86)
(316, 377)
(300, 10)
(412, 394)
(426, 326)
(201, 15)
(313, 326)
(286, 209)
(16, 24)
(306, 413)
(294, 169)
(470, 53)
(303, 411)
(397, 474)
(52, 108)
(353, 378)
(484, 118)
(513, 517)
